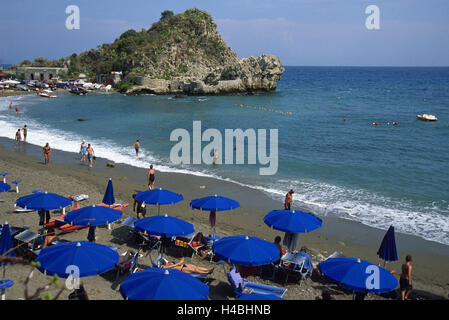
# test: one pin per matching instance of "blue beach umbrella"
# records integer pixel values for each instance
(6, 243)
(358, 275)
(245, 250)
(256, 296)
(93, 216)
(90, 259)
(163, 284)
(164, 226)
(387, 250)
(292, 221)
(109, 194)
(213, 204)
(43, 201)
(159, 197)
(4, 187)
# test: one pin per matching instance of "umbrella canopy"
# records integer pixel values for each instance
(164, 226)
(43, 200)
(6, 243)
(358, 275)
(292, 221)
(245, 250)
(159, 197)
(4, 187)
(214, 203)
(387, 250)
(163, 284)
(256, 296)
(109, 194)
(90, 258)
(93, 216)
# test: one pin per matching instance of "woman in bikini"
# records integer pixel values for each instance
(151, 178)
(83, 151)
(187, 268)
(46, 151)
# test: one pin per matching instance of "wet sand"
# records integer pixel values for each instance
(67, 176)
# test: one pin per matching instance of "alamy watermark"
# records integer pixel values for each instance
(73, 20)
(372, 22)
(73, 280)
(212, 153)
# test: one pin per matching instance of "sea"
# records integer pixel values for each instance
(339, 163)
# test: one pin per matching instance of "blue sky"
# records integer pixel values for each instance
(300, 32)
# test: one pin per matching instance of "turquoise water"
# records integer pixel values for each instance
(377, 175)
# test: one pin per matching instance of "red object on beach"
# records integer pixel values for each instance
(59, 222)
(247, 271)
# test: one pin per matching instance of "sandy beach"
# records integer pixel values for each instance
(67, 176)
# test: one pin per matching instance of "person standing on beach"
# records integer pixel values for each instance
(151, 178)
(83, 151)
(46, 151)
(25, 132)
(137, 147)
(90, 154)
(18, 138)
(405, 281)
(141, 208)
(17, 109)
(288, 199)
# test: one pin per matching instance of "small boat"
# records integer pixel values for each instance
(427, 117)
(78, 91)
(46, 95)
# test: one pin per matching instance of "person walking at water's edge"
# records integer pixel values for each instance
(83, 151)
(137, 147)
(25, 133)
(46, 151)
(18, 138)
(151, 178)
(405, 281)
(288, 199)
(90, 155)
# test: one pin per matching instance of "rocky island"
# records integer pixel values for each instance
(179, 54)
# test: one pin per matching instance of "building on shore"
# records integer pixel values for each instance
(110, 78)
(39, 73)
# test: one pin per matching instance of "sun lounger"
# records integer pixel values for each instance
(129, 266)
(242, 286)
(192, 245)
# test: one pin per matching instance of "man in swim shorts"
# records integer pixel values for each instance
(90, 154)
(137, 147)
(405, 281)
(25, 132)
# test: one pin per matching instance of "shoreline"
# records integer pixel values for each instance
(348, 237)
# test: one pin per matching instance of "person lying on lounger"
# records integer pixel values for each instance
(185, 267)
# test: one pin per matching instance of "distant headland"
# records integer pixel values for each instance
(179, 54)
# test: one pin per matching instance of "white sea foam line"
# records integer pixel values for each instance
(321, 198)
